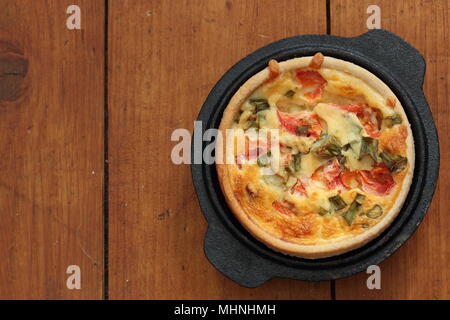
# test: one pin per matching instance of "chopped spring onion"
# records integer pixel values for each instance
(260, 103)
(250, 124)
(354, 208)
(297, 162)
(366, 146)
(375, 212)
(395, 163)
(360, 198)
(322, 211)
(263, 160)
(393, 120)
(289, 93)
(303, 130)
(326, 146)
(337, 203)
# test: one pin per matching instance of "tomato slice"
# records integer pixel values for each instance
(367, 117)
(328, 171)
(372, 129)
(253, 149)
(354, 108)
(291, 121)
(316, 127)
(350, 179)
(378, 181)
(331, 170)
(309, 78)
(299, 189)
(336, 183)
(330, 175)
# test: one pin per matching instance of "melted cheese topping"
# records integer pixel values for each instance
(341, 124)
(310, 163)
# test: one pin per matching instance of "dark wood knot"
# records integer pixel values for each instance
(13, 69)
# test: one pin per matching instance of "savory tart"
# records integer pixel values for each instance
(335, 163)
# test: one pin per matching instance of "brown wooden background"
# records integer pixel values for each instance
(86, 176)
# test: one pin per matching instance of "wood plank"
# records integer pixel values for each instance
(419, 270)
(164, 57)
(51, 142)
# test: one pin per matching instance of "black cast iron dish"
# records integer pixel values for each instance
(234, 251)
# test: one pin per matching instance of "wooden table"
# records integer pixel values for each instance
(85, 123)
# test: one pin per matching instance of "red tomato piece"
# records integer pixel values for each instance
(367, 117)
(331, 170)
(299, 189)
(350, 179)
(329, 174)
(336, 183)
(291, 121)
(372, 130)
(354, 108)
(309, 78)
(253, 149)
(378, 181)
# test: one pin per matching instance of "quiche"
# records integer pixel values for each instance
(316, 156)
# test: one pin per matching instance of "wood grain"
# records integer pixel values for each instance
(51, 129)
(164, 57)
(419, 270)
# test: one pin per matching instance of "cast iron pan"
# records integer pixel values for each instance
(234, 251)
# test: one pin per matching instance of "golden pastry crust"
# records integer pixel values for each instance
(299, 218)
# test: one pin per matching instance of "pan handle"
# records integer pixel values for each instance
(232, 259)
(395, 54)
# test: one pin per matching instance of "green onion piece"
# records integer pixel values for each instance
(395, 163)
(289, 93)
(375, 212)
(260, 117)
(297, 162)
(237, 116)
(372, 150)
(302, 130)
(337, 203)
(260, 103)
(360, 198)
(263, 160)
(352, 212)
(323, 211)
(342, 160)
(366, 146)
(290, 168)
(393, 120)
(250, 124)
(326, 146)
(354, 208)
